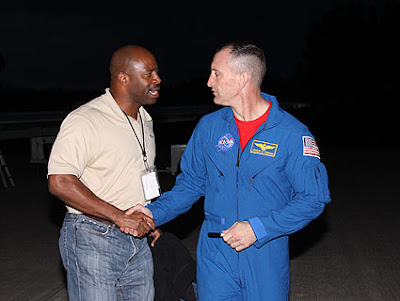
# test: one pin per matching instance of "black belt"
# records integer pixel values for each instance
(99, 219)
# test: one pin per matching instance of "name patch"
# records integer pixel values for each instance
(264, 148)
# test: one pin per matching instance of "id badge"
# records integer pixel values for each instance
(151, 186)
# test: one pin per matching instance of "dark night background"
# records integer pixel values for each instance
(339, 56)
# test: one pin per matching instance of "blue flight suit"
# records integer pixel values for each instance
(277, 183)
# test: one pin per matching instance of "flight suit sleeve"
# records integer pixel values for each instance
(189, 186)
(308, 178)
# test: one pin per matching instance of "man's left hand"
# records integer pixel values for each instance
(156, 234)
(240, 236)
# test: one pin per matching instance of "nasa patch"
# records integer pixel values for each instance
(225, 142)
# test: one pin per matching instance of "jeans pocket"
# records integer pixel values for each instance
(62, 245)
(92, 227)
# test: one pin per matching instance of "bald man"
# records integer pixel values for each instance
(96, 168)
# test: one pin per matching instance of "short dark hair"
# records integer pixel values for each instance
(247, 57)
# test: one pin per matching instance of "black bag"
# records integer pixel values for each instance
(174, 269)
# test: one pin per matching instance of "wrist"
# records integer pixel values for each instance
(117, 216)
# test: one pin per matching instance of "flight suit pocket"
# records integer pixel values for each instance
(321, 177)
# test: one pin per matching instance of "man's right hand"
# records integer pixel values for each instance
(137, 224)
(141, 211)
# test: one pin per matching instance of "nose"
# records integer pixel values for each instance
(156, 79)
(210, 81)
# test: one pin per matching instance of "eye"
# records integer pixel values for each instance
(151, 73)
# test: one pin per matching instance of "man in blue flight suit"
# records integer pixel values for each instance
(260, 172)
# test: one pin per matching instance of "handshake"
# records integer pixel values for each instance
(137, 221)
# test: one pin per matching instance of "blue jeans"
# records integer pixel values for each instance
(102, 263)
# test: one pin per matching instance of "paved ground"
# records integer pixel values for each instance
(350, 253)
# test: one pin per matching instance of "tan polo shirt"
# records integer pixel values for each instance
(97, 144)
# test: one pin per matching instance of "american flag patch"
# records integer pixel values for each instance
(310, 147)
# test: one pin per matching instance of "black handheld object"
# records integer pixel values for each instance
(214, 235)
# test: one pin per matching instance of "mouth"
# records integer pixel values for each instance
(154, 91)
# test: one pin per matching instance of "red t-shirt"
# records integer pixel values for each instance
(247, 129)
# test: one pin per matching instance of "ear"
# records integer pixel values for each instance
(244, 78)
(123, 78)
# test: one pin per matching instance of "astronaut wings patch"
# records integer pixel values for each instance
(310, 147)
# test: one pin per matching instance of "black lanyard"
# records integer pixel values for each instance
(142, 147)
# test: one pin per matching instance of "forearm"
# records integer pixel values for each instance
(285, 221)
(75, 194)
(171, 204)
